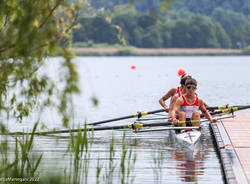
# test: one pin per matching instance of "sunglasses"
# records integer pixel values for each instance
(191, 87)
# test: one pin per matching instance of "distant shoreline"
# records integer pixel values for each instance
(126, 51)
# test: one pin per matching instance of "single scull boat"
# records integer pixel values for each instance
(187, 138)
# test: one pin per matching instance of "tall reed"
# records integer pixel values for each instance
(99, 168)
(111, 164)
(79, 148)
(24, 163)
(18, 161)
(127, 163)
(158, 160)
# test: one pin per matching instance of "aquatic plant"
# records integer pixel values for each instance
(158, 160)
(24, 163)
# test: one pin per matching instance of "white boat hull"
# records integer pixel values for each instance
(188, 139)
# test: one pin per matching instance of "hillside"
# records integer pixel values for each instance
(185, 24)
(205, 7)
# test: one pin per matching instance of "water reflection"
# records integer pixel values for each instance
(189, 164)
(178, 164)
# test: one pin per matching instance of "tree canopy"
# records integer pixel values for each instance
(31, 31)
(146, 31)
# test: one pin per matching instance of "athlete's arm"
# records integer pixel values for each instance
(204, 110)
(169, 94)
(205, 104)
(176, 109)
(171, 106)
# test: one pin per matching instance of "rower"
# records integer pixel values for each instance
(188, 105)
(176, 96)
(172, 92)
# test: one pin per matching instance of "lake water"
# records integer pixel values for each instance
(122, 91)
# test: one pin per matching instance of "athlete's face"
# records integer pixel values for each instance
(191, 88)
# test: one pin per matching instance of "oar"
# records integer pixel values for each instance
(180, 128)
(224, 107)
(167, 128)
(229, 110)
(217, 107)
(140, 114)
(137, 115)
(150, 119)
(134, 126)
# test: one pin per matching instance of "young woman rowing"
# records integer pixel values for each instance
(188, 105)
(174, 91)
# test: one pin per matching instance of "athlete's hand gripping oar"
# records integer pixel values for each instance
(218, 118)
(137, 115)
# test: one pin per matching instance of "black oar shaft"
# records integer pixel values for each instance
(139, 114)
(222, 107)
(72, 130)
(136, 125)
(167, 128)
(217, 107)
(229, 110)
(131, 126)
(110, 120)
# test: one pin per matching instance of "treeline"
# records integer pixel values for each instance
(205, 7)
(176, 29)
(208, 6)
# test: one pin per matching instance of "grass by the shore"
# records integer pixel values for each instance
(104, 49)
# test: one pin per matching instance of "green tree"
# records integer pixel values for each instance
(131, 32)
(166, 36)
(202, 32)
(241, 36)
(222, 37)
(206, 7)
(181, 37)
(152, 38)
(90, 30)
(81, 34)
(228, 18)
(31, 31)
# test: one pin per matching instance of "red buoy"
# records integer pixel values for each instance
(133, 67)
(181, 72)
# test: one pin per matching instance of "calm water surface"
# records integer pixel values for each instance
(123, 91)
